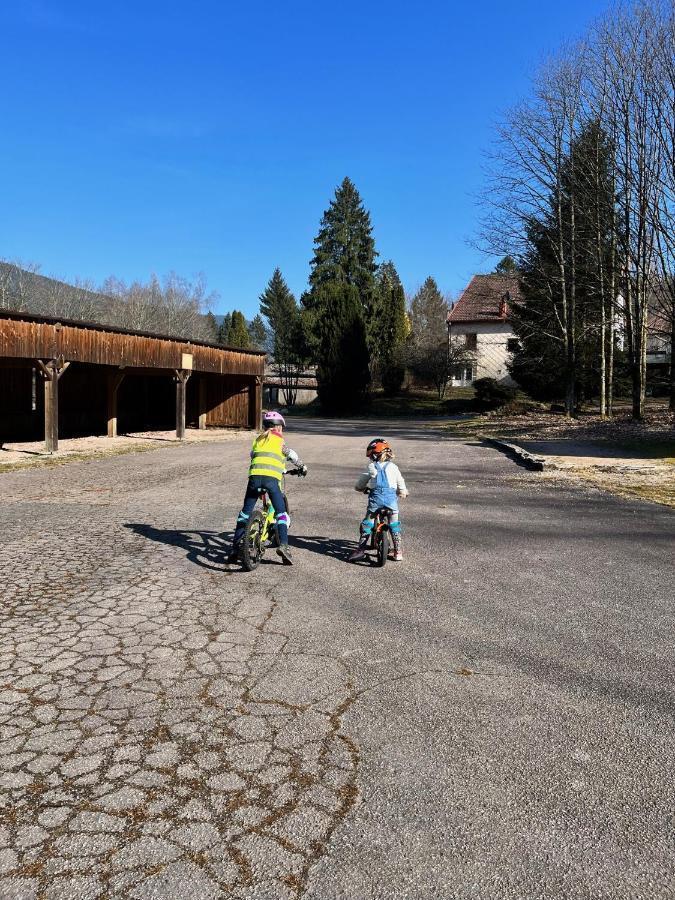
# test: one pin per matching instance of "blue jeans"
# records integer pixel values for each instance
(256, 484)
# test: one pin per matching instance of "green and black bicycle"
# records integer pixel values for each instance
(261, 531)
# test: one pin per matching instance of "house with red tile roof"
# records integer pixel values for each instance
(479, 323)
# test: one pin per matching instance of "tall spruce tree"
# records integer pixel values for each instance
(342, 372)
(344, 249)
(344, 258)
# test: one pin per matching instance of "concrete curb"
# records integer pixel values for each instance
(532, 462)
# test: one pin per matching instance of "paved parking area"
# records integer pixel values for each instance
(493, 718)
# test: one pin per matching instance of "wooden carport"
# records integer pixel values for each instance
(229, 381)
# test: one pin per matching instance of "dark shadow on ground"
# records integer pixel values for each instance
(649, 448)
(425, 429)
(19, 450)
(324, 546)
(514, 457)
(207, 549)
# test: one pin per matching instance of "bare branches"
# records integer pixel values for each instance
(600, 123)
(173, 306)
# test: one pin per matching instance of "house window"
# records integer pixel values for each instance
(463, 374)
(471, 341)
(512, 345)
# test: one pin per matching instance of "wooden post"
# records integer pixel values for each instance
(255, 402)
(52, 372)
(115, 379)
(182, 376)
(202, 401)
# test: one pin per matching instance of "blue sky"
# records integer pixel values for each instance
(210, 136)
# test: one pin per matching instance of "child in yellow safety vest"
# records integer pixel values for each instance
(268, 464)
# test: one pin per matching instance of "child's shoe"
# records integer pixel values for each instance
(284, 552)
(398, 556)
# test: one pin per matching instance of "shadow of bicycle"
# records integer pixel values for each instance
(336, 548)
(208, 549)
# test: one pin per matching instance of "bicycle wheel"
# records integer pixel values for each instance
(251, 545)
(382, 545)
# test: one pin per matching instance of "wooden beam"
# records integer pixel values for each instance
(115, 379)
(202, 402)
(52, 371)
(255, 402)
(61, 369)
(182, 376)
(51, 408)
(44, 370)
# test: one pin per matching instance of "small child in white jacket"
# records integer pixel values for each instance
(384, 484)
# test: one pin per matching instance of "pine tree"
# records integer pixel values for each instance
(429, 353)
(428, 312)
(237, 335)
(289, 347)
(211, 327)
(342, 373)
(224, 329)
(257, 333)
(344, 249)
(506, 266)
(277, 303)
(342, 274)
(387, 329)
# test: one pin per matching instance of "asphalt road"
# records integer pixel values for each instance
(492, 718)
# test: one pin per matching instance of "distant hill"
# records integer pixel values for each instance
(136, 310)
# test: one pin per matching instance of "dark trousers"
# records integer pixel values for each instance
(256, 484)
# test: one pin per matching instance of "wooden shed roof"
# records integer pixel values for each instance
(30, 336)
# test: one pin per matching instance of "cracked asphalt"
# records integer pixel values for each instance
(493, 718)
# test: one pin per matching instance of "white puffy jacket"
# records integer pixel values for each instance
(366, 480)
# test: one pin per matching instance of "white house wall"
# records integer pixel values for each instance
(491, 354)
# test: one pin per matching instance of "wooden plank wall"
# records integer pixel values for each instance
(92, 344)
(227, 401)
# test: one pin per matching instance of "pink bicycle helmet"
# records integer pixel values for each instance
(272, 418)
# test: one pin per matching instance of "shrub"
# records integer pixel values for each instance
(492, 393)
(521, 407)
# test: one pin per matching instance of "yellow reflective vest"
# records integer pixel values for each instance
(267, 457)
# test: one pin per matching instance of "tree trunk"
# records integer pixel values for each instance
(672, 360)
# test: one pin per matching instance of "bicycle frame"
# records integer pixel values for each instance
(270, 516)
(269, 526)
(382, 522)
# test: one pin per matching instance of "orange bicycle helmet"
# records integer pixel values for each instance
(376, 447)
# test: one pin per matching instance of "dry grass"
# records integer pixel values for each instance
(656, 487)
(26, 455)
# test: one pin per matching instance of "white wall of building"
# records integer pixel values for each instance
(491, 354)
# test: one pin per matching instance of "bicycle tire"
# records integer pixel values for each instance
(382, 541)
(251, 545)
